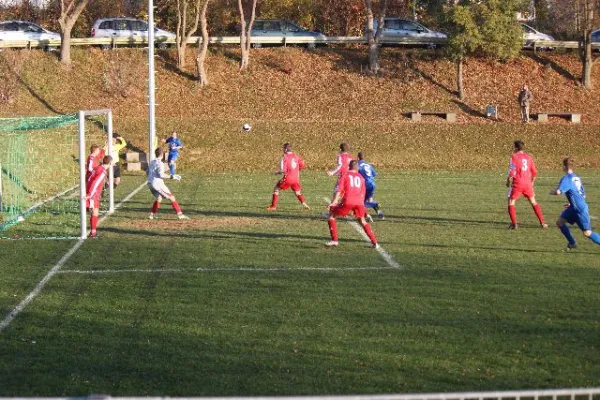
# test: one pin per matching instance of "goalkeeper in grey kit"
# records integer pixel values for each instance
(156, 184)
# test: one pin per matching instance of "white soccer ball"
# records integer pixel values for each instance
(247, 127)
(20, 218)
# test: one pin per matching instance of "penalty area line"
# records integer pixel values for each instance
(208, 270)
(55, 269)
(384, 254)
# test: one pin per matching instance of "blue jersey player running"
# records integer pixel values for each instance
(577, 211)
(368, 172)
(174, 146)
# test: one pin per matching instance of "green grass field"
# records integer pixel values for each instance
(238, 301)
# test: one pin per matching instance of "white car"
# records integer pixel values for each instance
(402, 28)
(23, 30)
(282, 28)
(530, 35)
(128, 28)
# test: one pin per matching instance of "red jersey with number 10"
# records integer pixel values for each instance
(522, 169)
(291, 164)
(352, 188)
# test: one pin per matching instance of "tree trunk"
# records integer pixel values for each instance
(372, 43)
(69, 13)
(181, 33)
(459, 79)
(246, 34)
(374, 37)
(65, 46)
(588, 63)
(202, 47)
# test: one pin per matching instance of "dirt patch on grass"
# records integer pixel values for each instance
(176, 225)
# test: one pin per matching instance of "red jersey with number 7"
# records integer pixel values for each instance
(522, 170)
(291, 164)
(352, 188)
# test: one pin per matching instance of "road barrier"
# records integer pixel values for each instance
(107, 42)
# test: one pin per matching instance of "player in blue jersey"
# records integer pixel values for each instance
(577, 211)
(174, 146)
(368, 172)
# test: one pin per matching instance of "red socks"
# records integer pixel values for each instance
(512, 212)
(94, 223)
(274, 200)
(538, 212)
(176, 207)
(155, 207)
(333, 229)
(370, 233)
(301, 199)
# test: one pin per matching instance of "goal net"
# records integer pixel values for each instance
(42, 173)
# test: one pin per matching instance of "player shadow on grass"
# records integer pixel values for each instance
(407, 219)
(495, 248)
(236, 214)
(223, 235)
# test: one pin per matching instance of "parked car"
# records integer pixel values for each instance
(530, 36)
(128, 28)
(596, 36)
(281, 28)
(23, 30)
(402, 28)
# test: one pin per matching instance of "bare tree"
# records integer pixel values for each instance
(202, 46)
(185, 29)
(246, 33)
(585, 25)
(69, 13)
(374, 36)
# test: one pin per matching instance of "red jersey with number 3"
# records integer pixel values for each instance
(352, 188)
(522, 170)
(95, 182)
(291, 164)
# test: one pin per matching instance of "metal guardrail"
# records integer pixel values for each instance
(552, 394)
(263, 40)
(545, 44)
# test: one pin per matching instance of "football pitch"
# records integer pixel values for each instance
(241, 301)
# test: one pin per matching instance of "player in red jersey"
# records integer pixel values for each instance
(94, 187)
(343, 160)
(521, 177)
(291, 164)
(93, 160)
(350, 197)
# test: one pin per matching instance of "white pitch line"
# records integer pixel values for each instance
(22, 305)
(202, 270)
(384, 254)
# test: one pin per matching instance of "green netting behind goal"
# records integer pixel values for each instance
(39, 174)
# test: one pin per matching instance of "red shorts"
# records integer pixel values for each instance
(516, 191)
(343, 210)
(284, 185)
(92, 203)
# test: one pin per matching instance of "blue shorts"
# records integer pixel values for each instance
(582, 219)
(370, 191)
(172, 157)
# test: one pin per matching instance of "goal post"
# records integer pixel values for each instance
(43, 173)
(82, 167)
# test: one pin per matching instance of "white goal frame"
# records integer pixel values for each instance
(83, 114)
